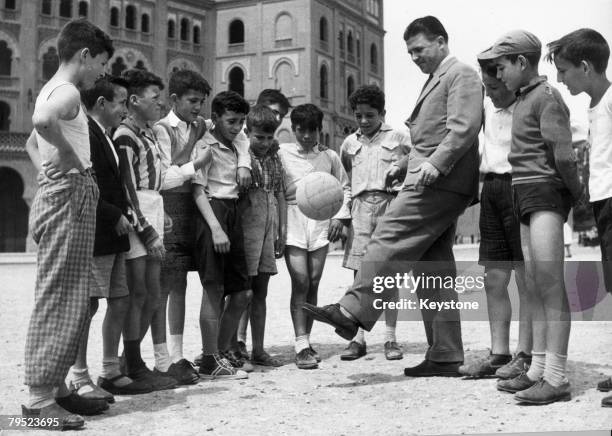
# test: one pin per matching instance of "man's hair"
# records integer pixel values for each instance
(368, 94)
(532, 58)
(182, 81)
(274, 96)
(581, 45)
(307, 116)
(79, 34)
(229, 101)
(138, 80)
(428, 26)
(262, 117)
(488, 67)
(104, 87)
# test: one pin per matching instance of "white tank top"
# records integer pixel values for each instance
(75, 130)
(600, 138)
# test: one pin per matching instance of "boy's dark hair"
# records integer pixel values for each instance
(488, 67)
(262, 117)
(229, 101)
(138, 80)
(79, 34)
(104, 87)
(581, 45)
(368, 94)
(274, 96)
(429, 26)
(532, 58)
(307, 116)
(182, 81)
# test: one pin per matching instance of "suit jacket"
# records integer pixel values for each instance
(113, 201)
(444, 128)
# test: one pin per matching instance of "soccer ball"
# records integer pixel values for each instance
(319, 195)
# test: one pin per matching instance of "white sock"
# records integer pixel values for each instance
(79, 375)
(360, 336)
(162, 358)
(175, 346)
(390, 334)
(301, 342)
(554, 370)
(241, 337)
(41, 396)
(536, 370)
(110, 367)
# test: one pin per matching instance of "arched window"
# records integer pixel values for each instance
(144, 23)
(236, 32)
(184, 29)
(323, 82)
(283, 78)
(358, 47)
(373, 57)
(5, 116)
(83, 9)
(46, 7)
(171, 29)
(118, 66)
(9, 4)
(65, 8)
(196, 34)
(130, 17)
(6, 54)
(323, 31)
(14, 211)
(341, 40)
(349, 42)
(350, 86)
(114, 17)
(327, 140)
(284, 27)
(236, 80)
(50, 63)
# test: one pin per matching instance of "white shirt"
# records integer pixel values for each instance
(108, 140)
(600, 138)
(497, 139)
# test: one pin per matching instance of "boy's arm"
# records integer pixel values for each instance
(220, 240)
(282, 224)
(31, 147)
(62, 104)
(244, 160)
(556, 132)
(336, 225)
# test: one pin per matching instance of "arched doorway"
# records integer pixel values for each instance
(5, 116)
(236, 80)
(13, 213)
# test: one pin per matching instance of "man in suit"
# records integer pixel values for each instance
(417, 232)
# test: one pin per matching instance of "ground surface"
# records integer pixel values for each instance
(367, 396)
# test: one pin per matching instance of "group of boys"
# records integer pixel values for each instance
(182, 193)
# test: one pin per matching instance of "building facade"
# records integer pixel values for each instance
(315, 51)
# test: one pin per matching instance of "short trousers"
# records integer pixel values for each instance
(602, 210)
(303, 232)
(260, 227)
(500, 230)
(180, 241)
(366, 209)
(541, 196)
(152, 207)
(108, 277)
(228, 270)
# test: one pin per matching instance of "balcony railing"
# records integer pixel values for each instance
(324, 45)
(9, 82)
(236, 48)
(280, 43)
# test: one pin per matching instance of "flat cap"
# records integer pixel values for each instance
(515, 42)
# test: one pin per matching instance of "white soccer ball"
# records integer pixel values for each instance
(319, 195)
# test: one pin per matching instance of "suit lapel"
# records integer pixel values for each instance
(435, 81)
(101, 137)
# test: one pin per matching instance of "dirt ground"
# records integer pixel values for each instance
(367, 396)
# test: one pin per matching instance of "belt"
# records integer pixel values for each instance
(379, 192)
(493, 176)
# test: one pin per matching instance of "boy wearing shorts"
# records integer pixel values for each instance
(581, 58)
(544, 183)
(366, 155)
(308, 239)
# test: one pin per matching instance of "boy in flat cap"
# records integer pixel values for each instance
(544, 181)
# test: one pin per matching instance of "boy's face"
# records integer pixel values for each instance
(511, 73)
(228, 125)
(148, 104)
(306, 137)
(260, 140)
(188, 106)
(278, 111)
(495, 89)
(92, 68)
(425, 53)
(572, 76)
(368, 118)
(115, 110)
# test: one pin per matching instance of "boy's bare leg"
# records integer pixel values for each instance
(210, 313)
(499, 308)
(136, 272)
(236, 305)
(114, 320)
(316, 263)
(175, 285)
(258, 312)
(525, 335)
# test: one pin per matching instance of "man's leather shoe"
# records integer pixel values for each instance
(605, 385)
(516, 384)
(543, 392)
(354, 351)
(74, 403)
(607, 401)
(331, 315)
(54, 417)
(429, 368)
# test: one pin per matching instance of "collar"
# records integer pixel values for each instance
(315, 149)
(131, 124)
(175, 121)
(210, 140)
(508, 109)
(383, 128)
(533, 83)
(441, 64)
(100, 126)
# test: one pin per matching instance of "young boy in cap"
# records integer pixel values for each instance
(581, 58)
(544, 181)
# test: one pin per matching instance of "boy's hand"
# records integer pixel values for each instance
(167, 223)
(428, 174)
(220, 241)
(156, 250)
(279, 246)
(203, 158)
(60, 163)
(243, 177)
(335, 230)
(392, 174)
(123, 226)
